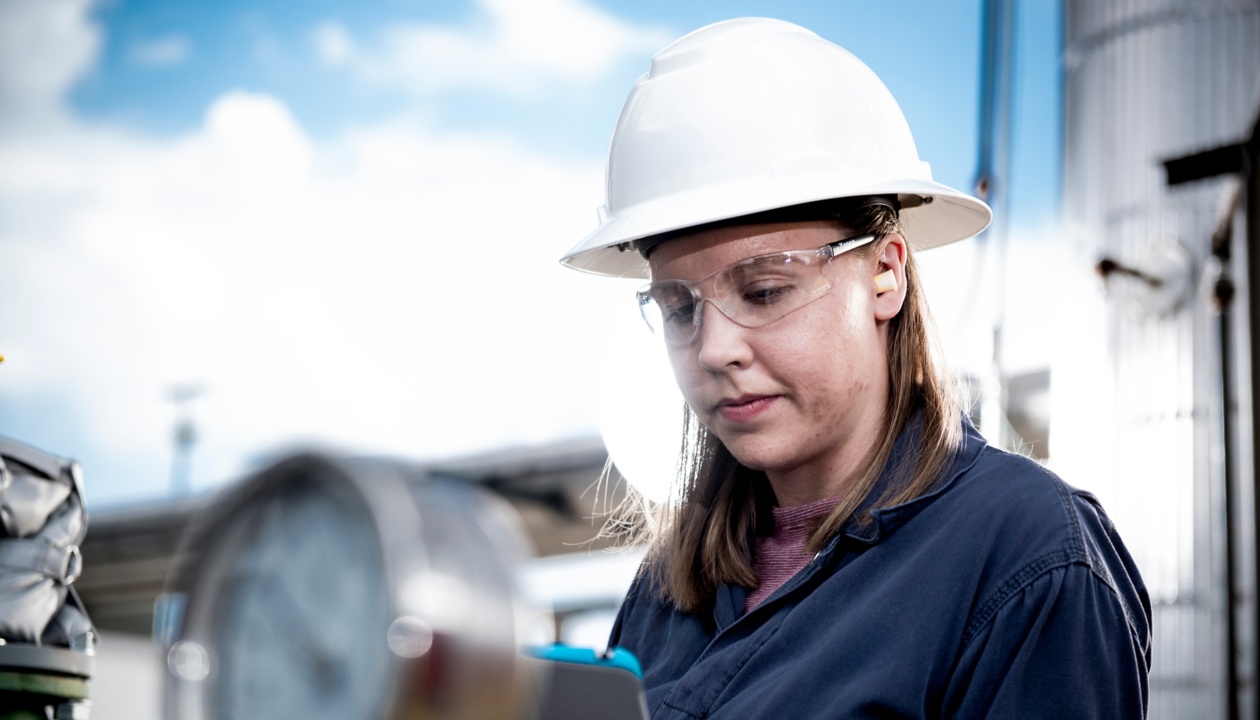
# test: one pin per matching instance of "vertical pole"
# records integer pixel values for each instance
(1223, 294)
(997, 100)
(1252, 240)
(184, 438)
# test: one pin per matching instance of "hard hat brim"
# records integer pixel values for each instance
(942, 216)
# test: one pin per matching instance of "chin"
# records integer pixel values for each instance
(757, 453)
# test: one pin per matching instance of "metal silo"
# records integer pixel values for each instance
(1147, 418)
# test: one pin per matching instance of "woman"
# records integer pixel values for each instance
(844, 543)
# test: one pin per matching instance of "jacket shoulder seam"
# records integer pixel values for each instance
(1021, 580)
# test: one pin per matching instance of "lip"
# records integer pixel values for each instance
(745, 407)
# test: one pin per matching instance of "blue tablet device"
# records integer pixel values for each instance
(581, 683)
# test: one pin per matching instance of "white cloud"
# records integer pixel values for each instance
(161, 52)
(333, 44)
(515, 48)
(392, 289)
(44, 48)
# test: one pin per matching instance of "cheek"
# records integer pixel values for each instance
(687, 373)
(826, 351)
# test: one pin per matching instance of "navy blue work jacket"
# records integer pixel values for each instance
(1003, 593)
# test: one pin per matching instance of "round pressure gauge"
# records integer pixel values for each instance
(348, 589)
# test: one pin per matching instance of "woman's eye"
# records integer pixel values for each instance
(680, 313)
(767, 294)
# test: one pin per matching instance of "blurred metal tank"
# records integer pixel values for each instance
(1140, 410)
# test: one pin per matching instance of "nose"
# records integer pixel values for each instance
(721, 342)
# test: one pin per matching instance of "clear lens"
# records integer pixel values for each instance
(763, 289)
(669, 309)
(752, 293)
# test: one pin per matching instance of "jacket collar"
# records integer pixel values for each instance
(885, 521)
(729, 600)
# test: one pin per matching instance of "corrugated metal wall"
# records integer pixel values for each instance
(1145, 81)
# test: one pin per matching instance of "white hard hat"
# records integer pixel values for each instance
(750, 115)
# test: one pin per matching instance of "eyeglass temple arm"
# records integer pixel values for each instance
(843, 246)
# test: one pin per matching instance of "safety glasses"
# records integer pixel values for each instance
(752, 292)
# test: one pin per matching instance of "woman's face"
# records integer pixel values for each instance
(803, 397)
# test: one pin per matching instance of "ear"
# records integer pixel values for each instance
(888, 281)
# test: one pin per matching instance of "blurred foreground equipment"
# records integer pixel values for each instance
(325, 588)
(46, 639)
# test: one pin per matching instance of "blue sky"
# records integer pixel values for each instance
(163, 62)
(342, 219)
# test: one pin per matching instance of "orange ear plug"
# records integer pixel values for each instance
(885, 281)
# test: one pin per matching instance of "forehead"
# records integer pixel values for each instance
(694, 256)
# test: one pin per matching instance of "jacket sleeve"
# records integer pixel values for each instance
(1068, 643)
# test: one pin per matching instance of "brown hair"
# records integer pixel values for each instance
(700, 539)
